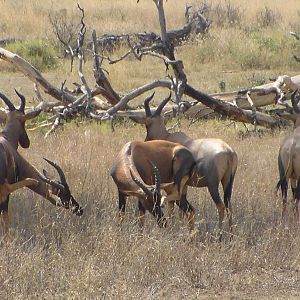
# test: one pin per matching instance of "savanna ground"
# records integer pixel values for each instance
(52, 254)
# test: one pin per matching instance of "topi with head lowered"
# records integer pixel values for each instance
(143, 169)
(16, 172)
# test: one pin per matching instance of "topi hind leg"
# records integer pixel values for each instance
(4, 220)
(296, 202)
(214, 192)
(227, 183)
(122, 206)
(296, 210)
(284, 191)
(189, 210)
(142, 213)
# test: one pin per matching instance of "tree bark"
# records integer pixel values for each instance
(232, 111)
(35, 76)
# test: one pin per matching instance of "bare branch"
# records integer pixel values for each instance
(232, 111)
(137, 92)
(162, 21)
(34, 75)
(81, 76)
(102, 81)
(55, 125)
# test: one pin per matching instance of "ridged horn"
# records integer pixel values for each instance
(162, 105)
(156, 176)
(141, 184)
(50, 182)
(146, 105)
(59, 171)
(11, 107)
(22, 100)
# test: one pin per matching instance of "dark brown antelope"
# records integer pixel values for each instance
(172, 165)
(16, 172)
(289, 163)
(215, 160)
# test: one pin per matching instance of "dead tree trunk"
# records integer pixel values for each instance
(163, 48)
(232, 111)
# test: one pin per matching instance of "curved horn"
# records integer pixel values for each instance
(51, 182)
(295, 101)
(59, 171)
(162, 105)
(11, 107)
(156, 176)
(141, 185)
(146, 105)
(22, 98)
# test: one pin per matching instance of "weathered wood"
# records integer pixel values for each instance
(106, 88)
(230, 110)
(162, 47)
(35, 76)
(196, 24)
(261, 95)
(137, 92)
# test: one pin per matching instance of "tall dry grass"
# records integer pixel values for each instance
(55, 255)
(241, 55)
(25, 19)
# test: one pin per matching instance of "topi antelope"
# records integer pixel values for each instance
(215, 160)
(16, 172)
(172, 165)
(289, 163)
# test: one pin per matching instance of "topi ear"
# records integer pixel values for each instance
(46, 174)
(32, 114)
(24, 140)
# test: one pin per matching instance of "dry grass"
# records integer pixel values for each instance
(237, 55)
(119, 16)
(53, 254)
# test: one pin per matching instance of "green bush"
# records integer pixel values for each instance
(39, 53)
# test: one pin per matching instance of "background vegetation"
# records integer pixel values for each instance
(52, 254)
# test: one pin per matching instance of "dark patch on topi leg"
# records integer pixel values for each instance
(4, 206)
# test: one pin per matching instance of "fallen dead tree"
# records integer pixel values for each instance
(71, 103)
(261, 96)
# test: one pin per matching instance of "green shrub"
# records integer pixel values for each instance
(39, 53)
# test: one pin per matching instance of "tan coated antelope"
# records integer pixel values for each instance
(215, 160)
(289, 163)
(172, 165)
(16, 172)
